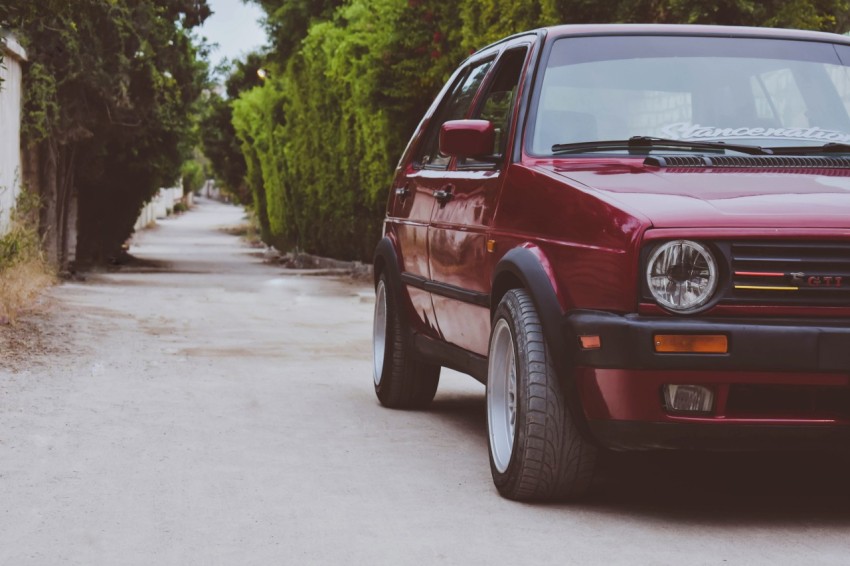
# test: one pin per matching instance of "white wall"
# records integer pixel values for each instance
(160, 206)
(10, 128)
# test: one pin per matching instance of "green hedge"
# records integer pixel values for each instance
(322, 135)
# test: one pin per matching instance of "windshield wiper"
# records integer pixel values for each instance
(831, 147)
(647, 142)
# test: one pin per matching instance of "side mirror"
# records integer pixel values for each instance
(468, 138)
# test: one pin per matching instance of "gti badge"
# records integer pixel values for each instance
(816, 280)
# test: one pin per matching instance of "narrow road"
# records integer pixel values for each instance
(205, 408)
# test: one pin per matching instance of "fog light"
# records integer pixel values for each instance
(688, 398)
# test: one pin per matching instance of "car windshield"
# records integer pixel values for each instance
(759, 91)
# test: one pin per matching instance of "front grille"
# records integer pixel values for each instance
(788, 401)
(790, 273)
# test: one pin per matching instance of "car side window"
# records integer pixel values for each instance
(455, 107)
(498, 102)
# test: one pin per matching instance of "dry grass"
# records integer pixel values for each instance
(248, 231)
(20, 285)
(24, 273)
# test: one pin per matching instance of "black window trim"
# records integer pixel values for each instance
(531, 105)
(463, 72)
(527, 43)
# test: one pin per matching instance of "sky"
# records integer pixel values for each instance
(235, 27)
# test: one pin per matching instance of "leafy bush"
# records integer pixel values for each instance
(320, 138)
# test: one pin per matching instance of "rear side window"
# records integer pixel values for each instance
(455, 107)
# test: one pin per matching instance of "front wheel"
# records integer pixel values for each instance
(536, 451)
(402, 379)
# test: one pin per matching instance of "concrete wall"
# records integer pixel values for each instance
(161, 206)
(10, 128)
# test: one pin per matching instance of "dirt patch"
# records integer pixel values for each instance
(34, 339)
(233, 352)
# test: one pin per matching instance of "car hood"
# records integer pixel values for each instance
(755, 198)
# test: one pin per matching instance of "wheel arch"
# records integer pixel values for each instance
(385, 259)
(526, 267)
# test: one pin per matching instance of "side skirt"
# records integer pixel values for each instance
(451, 356)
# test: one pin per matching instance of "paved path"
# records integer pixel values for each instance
(210, 409)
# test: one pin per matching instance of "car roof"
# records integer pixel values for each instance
(698, 30)
(577, 30)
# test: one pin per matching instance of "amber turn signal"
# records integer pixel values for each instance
(691, 343)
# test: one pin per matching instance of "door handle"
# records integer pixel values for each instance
(402, 192)
(444, 195)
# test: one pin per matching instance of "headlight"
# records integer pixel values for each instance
(682, 275)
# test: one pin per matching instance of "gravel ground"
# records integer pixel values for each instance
(202, 407)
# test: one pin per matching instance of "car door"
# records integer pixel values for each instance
(459, 259)
(413, 192)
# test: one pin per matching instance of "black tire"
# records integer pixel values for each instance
(402, 379)
(545, 457)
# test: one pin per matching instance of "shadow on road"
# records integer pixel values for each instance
(700, 488)
(764, 488)
(467, 412)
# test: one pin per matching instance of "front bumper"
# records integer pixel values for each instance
(636, 435)
(782, 384)
(766, 345)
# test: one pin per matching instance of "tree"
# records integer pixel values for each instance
(110, 97)
(288, 21)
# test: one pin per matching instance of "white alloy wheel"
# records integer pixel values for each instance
(403, 379)
(501, 395)
(537, 451)
(379, 332)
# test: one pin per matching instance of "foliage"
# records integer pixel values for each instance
(350, 80)
(255, 129)
(244, 74)
(321, 136)
(192, 173)
(288, 21)
(21, 242)
(110, 97)
(218, 136)
(41, 101)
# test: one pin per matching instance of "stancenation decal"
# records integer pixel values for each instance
(689, 131)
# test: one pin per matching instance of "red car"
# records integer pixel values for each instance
(637, 236)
